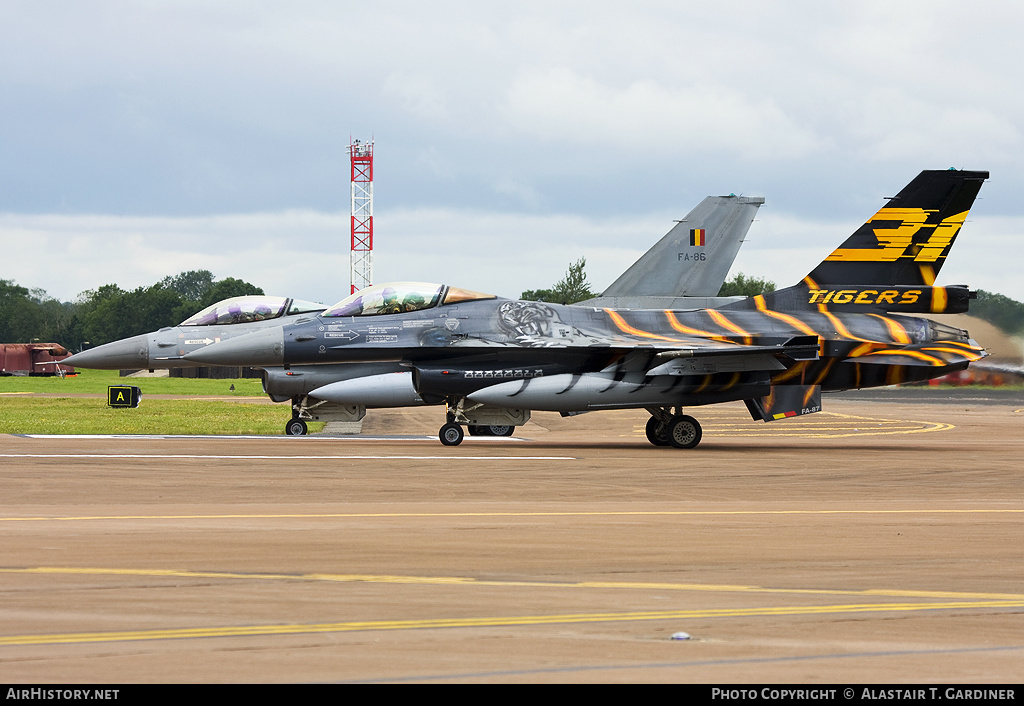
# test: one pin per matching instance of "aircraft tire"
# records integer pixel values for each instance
(657, 432)
(475, 430)
(684, 432)
(295, 427)
(500, 430)
(451, 434)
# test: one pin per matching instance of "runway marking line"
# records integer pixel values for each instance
(500, 621)
(473, 582)
(245, 457)
(496, 514)
(269, 437)
(954, 601)
(814, 428)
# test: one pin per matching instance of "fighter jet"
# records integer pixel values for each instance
(689, 263)
(685, 268)
(491, 360)
(167, 347)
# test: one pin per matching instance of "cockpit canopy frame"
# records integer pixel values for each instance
(400, 297)
(249, 308)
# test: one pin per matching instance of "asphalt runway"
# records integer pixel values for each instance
(873, 542)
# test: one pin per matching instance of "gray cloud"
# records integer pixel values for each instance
(531, 130)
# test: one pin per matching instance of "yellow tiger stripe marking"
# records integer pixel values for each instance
(722, 321)
(865, 349)
(811, 389)
(927, 274)
(626, 328)
(674, 323)
(796, 323)
(930, 359)
(970, 355)
(825, 370)
(795, 372)
(896, 330)
(840, 327)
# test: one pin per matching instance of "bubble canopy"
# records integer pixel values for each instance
(243, 310)
(400, 297)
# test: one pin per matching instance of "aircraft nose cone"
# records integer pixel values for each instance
(127, 353)
(264, 347)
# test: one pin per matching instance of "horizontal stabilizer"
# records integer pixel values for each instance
(933, 354)
(785, 401)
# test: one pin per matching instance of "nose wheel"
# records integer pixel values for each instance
(295, 427)
(451, 434)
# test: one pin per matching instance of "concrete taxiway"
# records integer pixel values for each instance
(873, 542)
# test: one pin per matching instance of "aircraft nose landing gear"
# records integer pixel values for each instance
(451, 434)
(295, 427)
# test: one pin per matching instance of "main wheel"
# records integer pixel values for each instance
(684, 432)
(295, 427)
(475, 430)
(500, 430)
(657, 432)
(451, 434)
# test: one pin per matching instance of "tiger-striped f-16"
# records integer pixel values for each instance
(846, 325)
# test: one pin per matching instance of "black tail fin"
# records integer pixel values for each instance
(890, 263)
(907, 241)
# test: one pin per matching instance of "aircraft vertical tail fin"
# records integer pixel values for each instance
(694, 257)
(907, 241)
(891, 261)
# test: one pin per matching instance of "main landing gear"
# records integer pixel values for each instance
(490, 429)
(667, 429)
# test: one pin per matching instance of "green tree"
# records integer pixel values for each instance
(225, 289)
(999, 310)
(743, 286)
(572, 288)
(17, 313)
(193, 285)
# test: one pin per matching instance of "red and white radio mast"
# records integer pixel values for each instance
(362, 214)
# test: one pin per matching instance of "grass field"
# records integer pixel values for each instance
(96, 382)
(38, 406)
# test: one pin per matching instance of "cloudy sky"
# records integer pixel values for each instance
(140, 139)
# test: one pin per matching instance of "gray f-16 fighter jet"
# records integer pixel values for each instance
(167, 347)
(492, 360)
(689, 264)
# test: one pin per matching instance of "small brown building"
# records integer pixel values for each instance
(33, 359)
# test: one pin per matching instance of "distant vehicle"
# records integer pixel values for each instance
(692, 259)
(491, 360)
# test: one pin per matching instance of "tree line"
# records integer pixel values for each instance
(109, 313)
(574, 287)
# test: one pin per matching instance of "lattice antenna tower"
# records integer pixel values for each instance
(361, 258)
